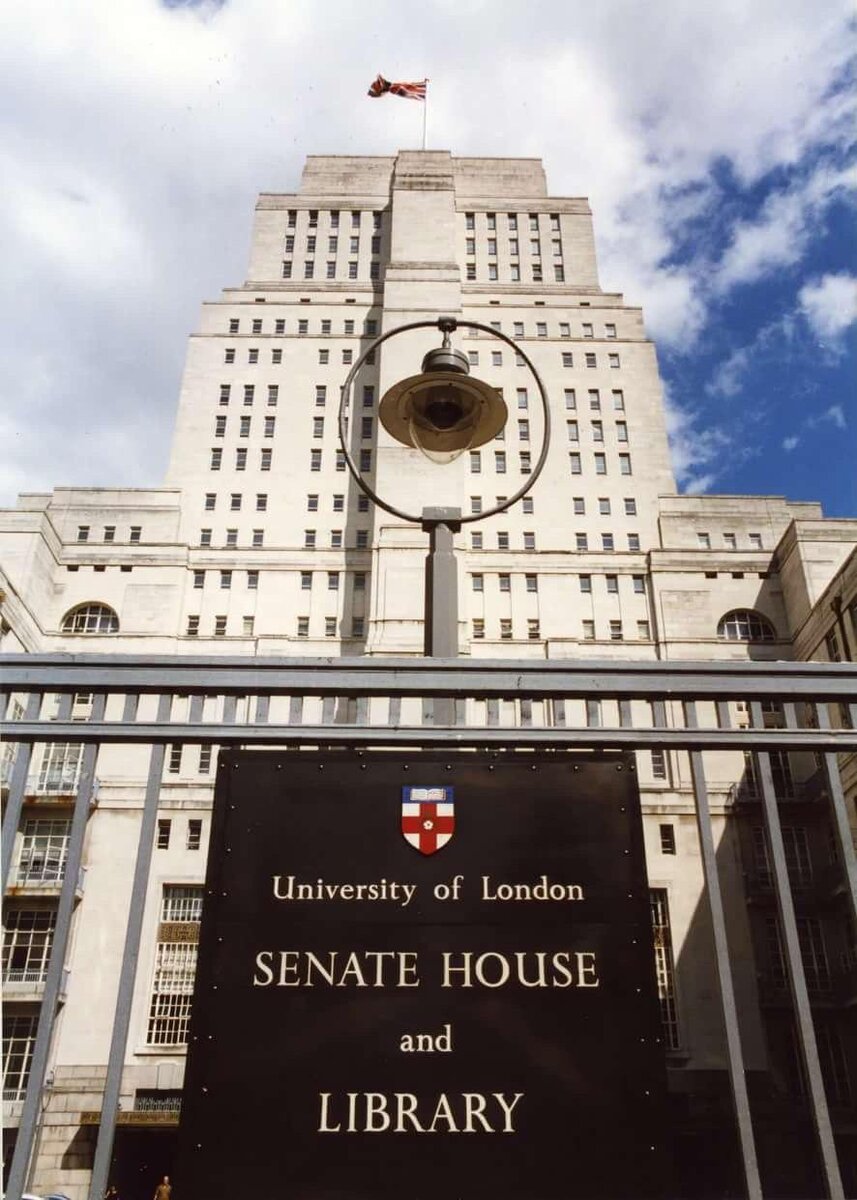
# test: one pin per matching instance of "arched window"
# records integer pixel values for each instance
(90, 618)
(745, 625)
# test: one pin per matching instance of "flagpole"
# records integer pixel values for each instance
(425, 116)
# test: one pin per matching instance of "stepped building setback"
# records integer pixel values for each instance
(259, 543)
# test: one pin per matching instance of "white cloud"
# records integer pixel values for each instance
(789, 443)
(830, 306)
(699, 454)
(137, 136)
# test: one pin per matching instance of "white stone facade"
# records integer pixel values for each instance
(260, 544)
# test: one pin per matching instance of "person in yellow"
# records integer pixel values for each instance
(163, 1191)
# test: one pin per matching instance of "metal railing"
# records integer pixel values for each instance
(502, 706)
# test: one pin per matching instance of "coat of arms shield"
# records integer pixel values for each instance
(428, 817)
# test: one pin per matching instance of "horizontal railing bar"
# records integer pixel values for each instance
(429, 677)
(836, 740)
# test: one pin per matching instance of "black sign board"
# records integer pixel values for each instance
(378, 1017)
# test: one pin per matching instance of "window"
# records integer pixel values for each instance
(522, 399)
(532, 583)
(505, 583)
(633, 541)
(613, 360)
(755, 540)
(476, 540)
(252, 357)
(261, 502)
(610, 331)
(192, 626)
(90, 619)
(586, 584)
(478, 629)
(270, 425)
(478, 583)
(366, 427)
(475, 462)
(591, 360)
(276, 356)
(365, 460)
(306, 581)
(745, 625)
(336, 539)
(287, 270)
(194, 825)
(579, 506)
(581, 541)
(573, 431)
(567, 359)
(244, 429)
(226, 576)
(27, 939)
(471, 272)
(273, 394)
(83, 533)
(607, 541)
(570, 398)
(163, 837)
(619, 401)
(220, 626)
(315, 459)
(362, 503)
(541, 329)
(612, 584)
(172, 993)
(333, 581)
(496, 358)
(241, 459)
(355, 220)
(500, 462)
(730, 541)
(588, 628)
(330, 627)
(303, 627)
(252, 580)
(174, 760)
(703, 541)
(529, 541)
(594, 400)
(312, 502)
(604, 506)
(587, 331)
(219, 429)
(334, 218)
(135, 534)
(506, 629)
(528, 506)
(309, 539)
(502, 540)
(575, 463)
(643, 631)
(258, 538)
(600, 464)
(229, 355)
(475, 504)
(279, 325)
(630, 506)
(639, 584)
(303, 326)
(526, 462)
(110, 530)
(205, 537)
(340, 460)
(235, 502)
(615, 631)
(323, 357)
(339, 502)
(625, 464)
(265, 460)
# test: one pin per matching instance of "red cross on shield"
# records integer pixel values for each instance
(428, 817)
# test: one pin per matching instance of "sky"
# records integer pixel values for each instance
(715, 143)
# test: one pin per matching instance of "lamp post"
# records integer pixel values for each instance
(443, 412)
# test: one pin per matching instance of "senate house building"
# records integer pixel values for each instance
(260, 545)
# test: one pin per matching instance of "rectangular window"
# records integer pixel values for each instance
(639, 583)
(204, 538)
(526, 463)
(478, 583)
(279, 325)
(226, 576)
(594, 399)
(339, 502)
(579, 506)
(615, 631)
(365, 460)
(163, 835)
(588, 331)
(643, 631)
(475, 462)
(261, 502)
(276, 357)
(633, 541)
(244, 429)
(475, 504)
(258, 538)
(478, 629)
(581, 541)
(174, 760)
(625, 464)
(570, 398)
(135, 534)
(755, 540)
(252, 580)
(612, 584)
(192, 626)
(522, 398)
(194, 828)
(365, 427)
(575, 463)
(336, 539)
(216, 458)
(533, 632)
(591, 360)
(309, 539)
(323, 357)
(529, 541)
(476, 540)
(607, 541)
(219, 428)
(241, 459)
(265, 461)
(619, 401)
(532, 583)
(252, 357)
(613, 360)
(573, 431)
(229, 355)
(287, 270)
(586, 584)
(703, 541)
(330, 627)
(506, 629)
(604, 506)
(502, 541)
(333, 581)
(362, 542)
(340, 460)
(360, 581)
(172, 994)
(315, 460)
(500, 462)
(600, 464)
(567, 359)
(505, 583)
(598, 431)
(110, 530)
(621, 431)
(362, 503)
(83, 533)
(528, 506)
(610, 331)
(588, 628)
(630, 506)
(273, 394)
(270, 424)
(235, 502)
(303, 627)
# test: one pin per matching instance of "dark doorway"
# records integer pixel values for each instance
(140, 1158)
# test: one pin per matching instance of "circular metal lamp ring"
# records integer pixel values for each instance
(446, 325)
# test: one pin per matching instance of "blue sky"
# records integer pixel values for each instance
(715, 144)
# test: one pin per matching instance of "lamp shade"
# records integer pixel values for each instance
(442, 412)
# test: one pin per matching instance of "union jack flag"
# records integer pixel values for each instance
(408, 91)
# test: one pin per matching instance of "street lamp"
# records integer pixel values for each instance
(442, 412)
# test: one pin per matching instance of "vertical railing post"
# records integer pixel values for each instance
(17, 785)
(734, 1053)
(17, 1180)
(794, 968)
(128, 970)
(839, 815)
